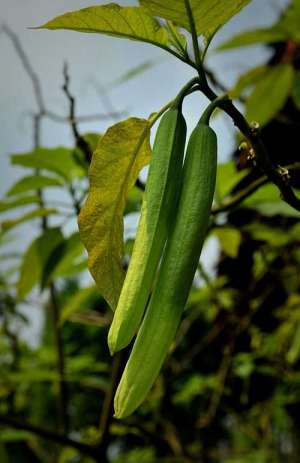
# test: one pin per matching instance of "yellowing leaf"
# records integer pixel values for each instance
(128, 22)
(270, 94)
(122, 152)
(209, 15)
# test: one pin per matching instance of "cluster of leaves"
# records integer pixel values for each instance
(230, 388)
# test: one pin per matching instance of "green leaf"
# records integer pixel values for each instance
(294, 351)
(32, 182)
(132, 73)
(9, 204)
(271, 235)
(255, 36)
(267, 201)
(178, 40)
(14, 435)
(194, 386)
(244, 364)
(67, 455)
(291, 20)
(3, 454)
(230, 240)
(227, 178)
(128, 22)
(82, 300)
(134, 201)
(296, 91)
(270, 94)
(287, 28)
(92, 139)
(58, 160)
(35, 259)
(249, 79)
(66, 259)
(122, 152)
(41, 212)
(209, 15)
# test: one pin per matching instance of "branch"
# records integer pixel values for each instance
(232, 201)
(273, 173)
(63, 390)
(15, 349)
(212, 77)
(205, 420)
(105, 99)
(49, 435)
(80, 141)
(107, 408)
(81, 119)
(27, 67)
(194, 34)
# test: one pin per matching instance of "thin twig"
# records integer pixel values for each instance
(80, 119)
(47, 434)
(27, 66)
(105, 99)
(264, 163)
(107, 408)
(232, 201)
(63, 390)
(80, 141)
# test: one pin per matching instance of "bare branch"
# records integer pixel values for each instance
(27, 66)
(49, 435)
(80, 141)
(232, 201)
(63, 390)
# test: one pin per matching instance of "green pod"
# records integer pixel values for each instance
(158, 208)
(176, 272)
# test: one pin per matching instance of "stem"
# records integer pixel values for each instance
(49, 435)
(262, 158)
(194, 34)
(205, 118)
(232, 201)
(186, 90)
(198, 65)
(177, 102)
(235, 200)
(81, 143)
(107, 409)
(63, 391)
(154, 117)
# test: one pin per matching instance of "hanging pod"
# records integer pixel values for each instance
(177, 270)
(158, 210)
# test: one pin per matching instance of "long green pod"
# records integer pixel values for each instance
(158, 208)
(176, 273)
